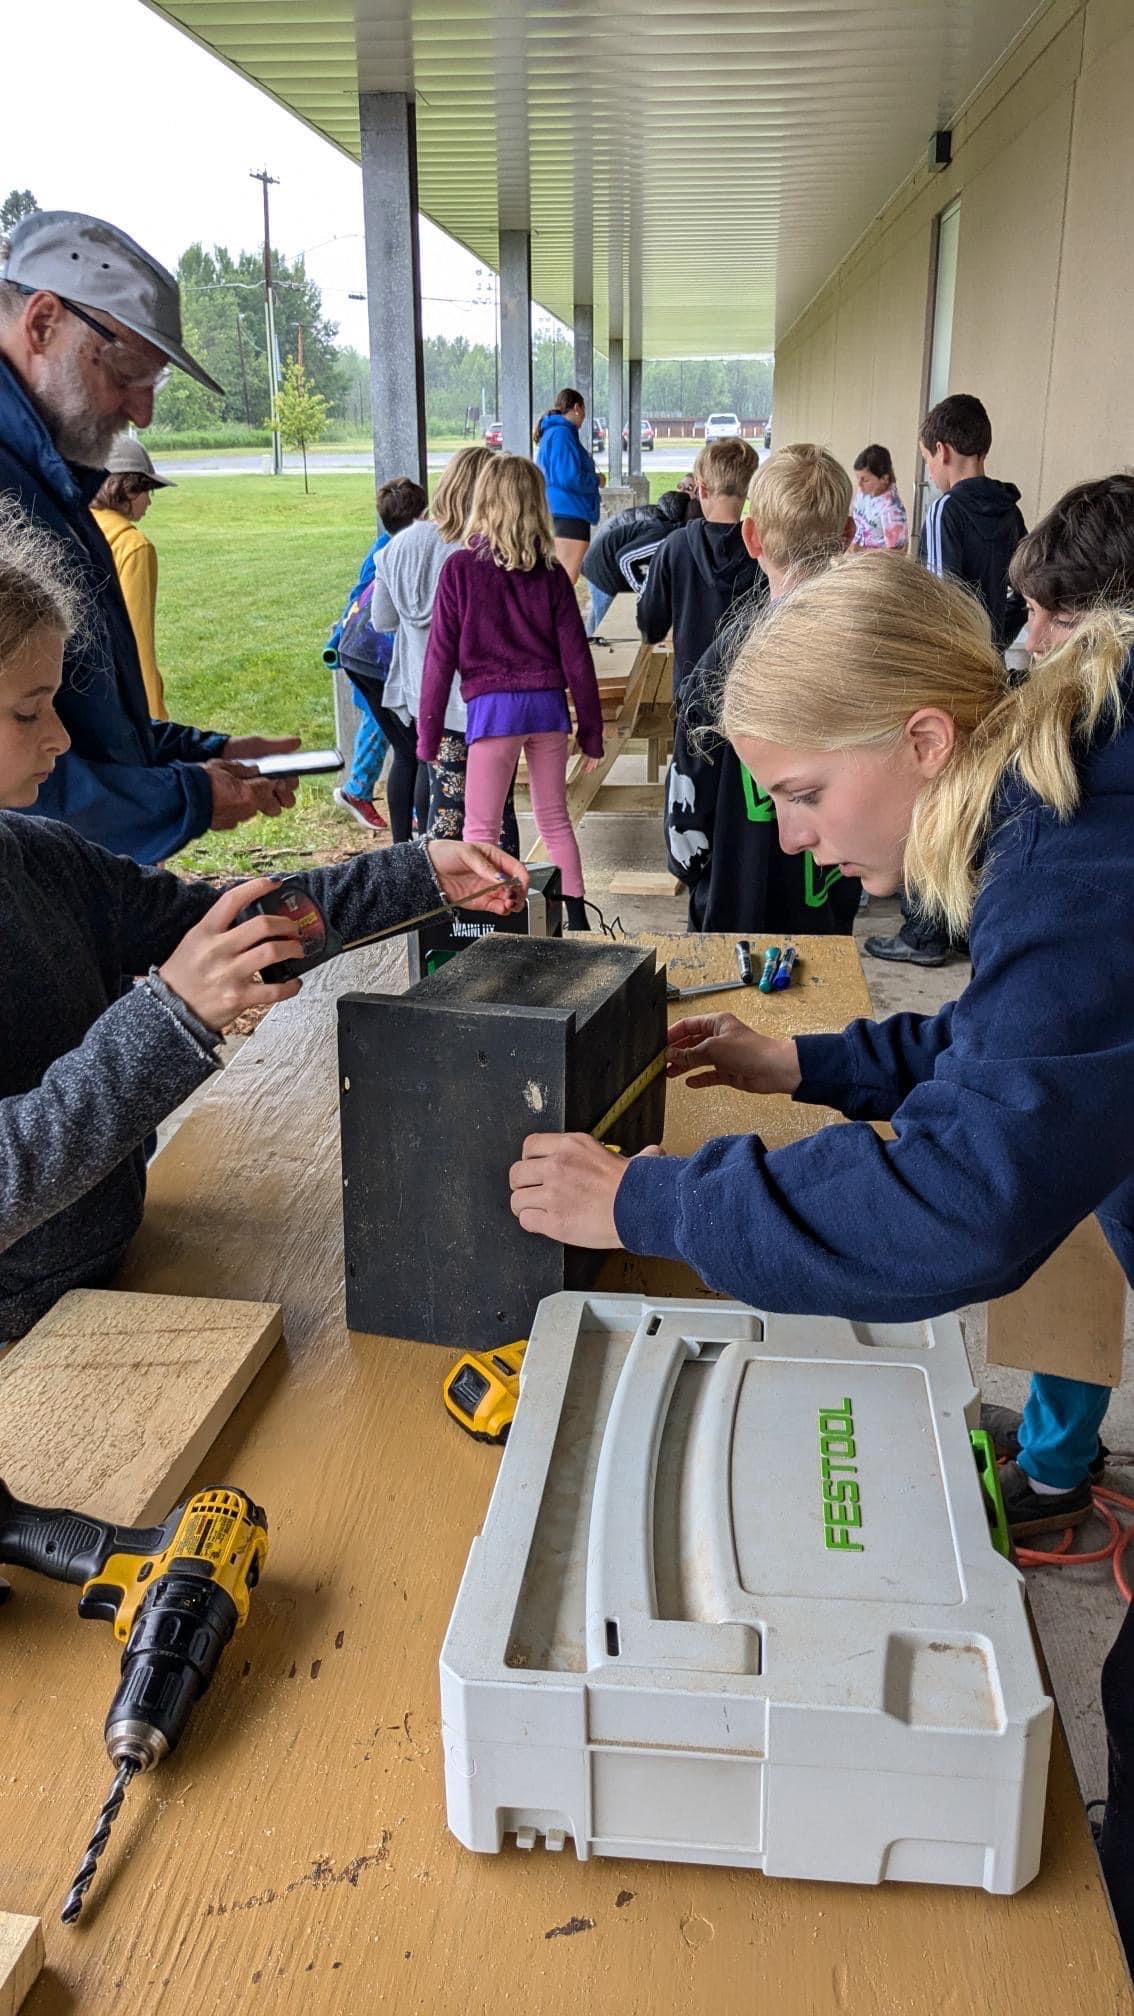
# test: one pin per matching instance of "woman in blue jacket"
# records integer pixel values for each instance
(571, 479)
(873, 707)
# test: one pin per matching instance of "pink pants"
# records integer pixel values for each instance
(492, 762)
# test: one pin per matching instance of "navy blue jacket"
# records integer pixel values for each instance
(133, 785)
(971, 533)
(568, 470)
(1011, 1108)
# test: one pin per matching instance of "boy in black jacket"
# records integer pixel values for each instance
(698, 576)
(618, 557)
(721, 833)
(971, 532)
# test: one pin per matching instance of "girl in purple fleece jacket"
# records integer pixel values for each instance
(505, 614)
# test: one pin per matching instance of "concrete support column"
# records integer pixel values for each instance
(614, 417)
(584, 366)
(388, 130)
(634, 418)
(516, 340)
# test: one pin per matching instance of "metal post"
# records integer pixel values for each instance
(614, 417)
(265, 180)
(516, 340)
(634, 417)
(584, 365)
(388, 133)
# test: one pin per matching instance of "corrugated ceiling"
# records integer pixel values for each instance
(698, 169)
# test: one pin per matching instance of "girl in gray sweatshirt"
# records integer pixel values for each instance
(87, 1071)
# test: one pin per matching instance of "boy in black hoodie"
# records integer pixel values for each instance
(701, 571)
(971, 532)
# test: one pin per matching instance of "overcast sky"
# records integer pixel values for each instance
(108, 109)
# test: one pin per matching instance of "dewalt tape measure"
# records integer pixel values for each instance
(482, 1388)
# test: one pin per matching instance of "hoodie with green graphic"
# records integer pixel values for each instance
(722, 840)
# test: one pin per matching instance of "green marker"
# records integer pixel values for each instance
(771, 961)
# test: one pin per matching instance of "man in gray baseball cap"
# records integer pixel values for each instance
(89, 327)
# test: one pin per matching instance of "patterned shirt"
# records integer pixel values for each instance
(880, 521)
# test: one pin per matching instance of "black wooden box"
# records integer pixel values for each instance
(438, 1088)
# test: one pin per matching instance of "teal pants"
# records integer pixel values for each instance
(1059, 1435)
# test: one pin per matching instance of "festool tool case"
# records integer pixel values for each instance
(736, 1601)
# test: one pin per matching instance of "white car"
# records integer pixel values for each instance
(722, 426)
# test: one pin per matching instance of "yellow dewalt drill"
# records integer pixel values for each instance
(174, 1593)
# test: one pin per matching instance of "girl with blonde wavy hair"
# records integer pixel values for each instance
(875, 710)
(506, 618)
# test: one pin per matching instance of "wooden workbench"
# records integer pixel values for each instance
(293, 1856)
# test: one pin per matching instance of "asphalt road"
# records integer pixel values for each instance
(676, 457)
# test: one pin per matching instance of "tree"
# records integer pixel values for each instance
(301, 414)
(17, 204)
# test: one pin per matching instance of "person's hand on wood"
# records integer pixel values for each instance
(721, 1050)
(565, 1187)
(240, 793)
(215, 969)
(474, 876)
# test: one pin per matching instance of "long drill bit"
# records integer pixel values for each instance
(86, 1871)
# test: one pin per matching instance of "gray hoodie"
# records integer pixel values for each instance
(87, 1071)
(405, 583)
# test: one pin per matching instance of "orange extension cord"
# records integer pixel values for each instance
(1119, 1539)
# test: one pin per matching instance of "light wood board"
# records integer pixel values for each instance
(293, 1855)
(110, 1403)
(645, 882)
(1069, 1318)
(21, 1958)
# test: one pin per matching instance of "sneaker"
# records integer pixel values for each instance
(1029, 1511)
(903, 954)
(1004, 1423)
(362, 809)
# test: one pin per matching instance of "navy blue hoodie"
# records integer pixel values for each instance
(132, 785)
(971, 532)
(1011, 1109)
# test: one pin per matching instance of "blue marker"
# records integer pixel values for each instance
(782, 976)
(771, 961)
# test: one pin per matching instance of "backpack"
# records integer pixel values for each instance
(361, 648)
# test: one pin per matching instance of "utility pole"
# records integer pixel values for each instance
(243, 372)
(262, 176)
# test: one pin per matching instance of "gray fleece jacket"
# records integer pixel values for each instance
(405, 584)
(87, 1071)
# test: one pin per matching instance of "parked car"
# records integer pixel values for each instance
(722, 426)
(494, 434)
(598, 435)
(647, 435)
(768, 432)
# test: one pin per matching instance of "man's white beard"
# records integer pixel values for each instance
(64, 401)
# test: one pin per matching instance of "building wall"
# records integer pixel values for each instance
(1044, 313)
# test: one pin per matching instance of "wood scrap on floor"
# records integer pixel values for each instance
(112, 1401)
(645, 882)
(21, 1959)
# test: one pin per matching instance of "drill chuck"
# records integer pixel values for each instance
(182, 1627)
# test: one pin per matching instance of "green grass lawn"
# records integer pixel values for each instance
(253, 574)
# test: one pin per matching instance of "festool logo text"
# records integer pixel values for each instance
(842, 1511)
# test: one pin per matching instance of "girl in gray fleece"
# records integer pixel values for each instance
(86, 1071)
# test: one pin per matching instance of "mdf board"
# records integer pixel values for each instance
(1069, 1318)
(110, 1403)
(21, 1957)
(439, 1088)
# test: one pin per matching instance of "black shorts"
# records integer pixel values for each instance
(572, 528)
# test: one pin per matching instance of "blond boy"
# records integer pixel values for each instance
(703, 570)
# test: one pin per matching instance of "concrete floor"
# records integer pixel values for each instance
(1077, 1612)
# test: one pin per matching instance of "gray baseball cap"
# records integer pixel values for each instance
(83, 259)
(128, 457)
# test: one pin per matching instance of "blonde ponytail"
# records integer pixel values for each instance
(845, 660)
